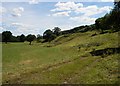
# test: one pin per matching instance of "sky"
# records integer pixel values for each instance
(34, 16)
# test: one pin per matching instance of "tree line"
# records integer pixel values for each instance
(110, 22)
(48, 36)
(8, 37)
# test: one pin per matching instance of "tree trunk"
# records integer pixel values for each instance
(30, 43)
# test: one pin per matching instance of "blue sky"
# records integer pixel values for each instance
(35, 17)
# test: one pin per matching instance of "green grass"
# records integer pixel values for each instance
(61, 63)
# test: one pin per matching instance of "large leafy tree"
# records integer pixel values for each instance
(102, 23)
(6, 36)
(110, 21)
(22, 38)
(57, 31)
(48, 35)
(30, 38)
(114, 18)
(116, 14)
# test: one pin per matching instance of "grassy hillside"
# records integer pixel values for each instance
(66, 59)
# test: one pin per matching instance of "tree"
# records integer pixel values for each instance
(114, 17)
(14, 39)
(97, 24)
(22, 38)
(102, 23)
(30, 38)
(6, 36)
(56, 31)
(39, 37)
(110, 21)
(117, 5)
(48, 35)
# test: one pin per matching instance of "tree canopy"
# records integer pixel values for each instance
(6, 36)
(30, 38)
(111, 21)
(22, 38)
(48, 35)
(56, 31)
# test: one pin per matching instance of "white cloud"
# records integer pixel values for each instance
(17, 12)
(33, 1)
(78, 14)
(79, 8)
(2, 10)
(83, 20)
(86, 12)
(93, 10)
(63, 6)
(59, 14)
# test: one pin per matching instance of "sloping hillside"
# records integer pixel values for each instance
(65, 60)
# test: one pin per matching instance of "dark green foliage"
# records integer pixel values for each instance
(110, 21)
(57, 31)
(115, 16)
(78, 29)
(14, 39)
(39, 38)
(48, 35)
(102, 23)
(93, 27)
(30, 38)
(6, 36)
(22, 38)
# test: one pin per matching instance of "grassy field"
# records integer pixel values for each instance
(60, 62)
